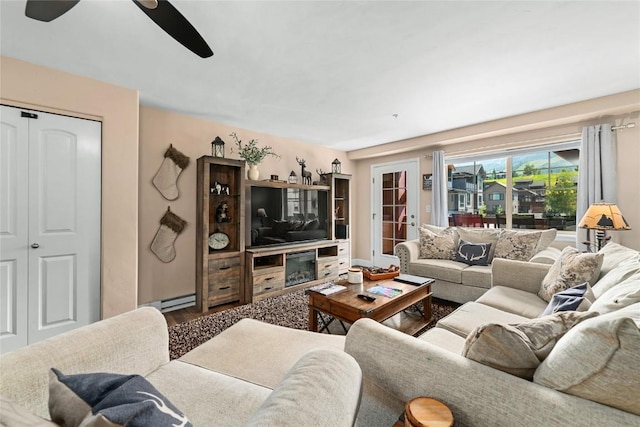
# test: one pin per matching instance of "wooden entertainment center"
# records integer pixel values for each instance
(226, 272)
(268, 271)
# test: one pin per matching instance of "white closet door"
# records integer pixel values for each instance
(62, 283)
(14, 228)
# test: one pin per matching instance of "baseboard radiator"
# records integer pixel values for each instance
(177, 303)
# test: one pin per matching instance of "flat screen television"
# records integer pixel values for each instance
(281, 216)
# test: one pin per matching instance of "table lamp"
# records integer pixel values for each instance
(602, 217)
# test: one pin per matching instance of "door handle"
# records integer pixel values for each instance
(35, 245)
(413, 224)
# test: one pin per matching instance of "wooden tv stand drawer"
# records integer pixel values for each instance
(269, 282)
(266, 268)
(328, 269)
(344, 257)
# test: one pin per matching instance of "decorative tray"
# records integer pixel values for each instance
(378, 273)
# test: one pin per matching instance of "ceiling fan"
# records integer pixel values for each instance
(160, 11)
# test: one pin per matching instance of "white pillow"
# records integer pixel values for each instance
(547, 237)
(614, 254)
(519, 348)
(615, 276)
(620, 296)
(598, 360)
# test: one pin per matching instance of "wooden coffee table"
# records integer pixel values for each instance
(347, 307)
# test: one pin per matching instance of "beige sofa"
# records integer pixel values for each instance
(397, 367)
(314, 383)
(457, 281)
(231, 378)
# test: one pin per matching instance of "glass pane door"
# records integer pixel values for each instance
(394, 210)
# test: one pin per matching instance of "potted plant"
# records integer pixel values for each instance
(252, 154)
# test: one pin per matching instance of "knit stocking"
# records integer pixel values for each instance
(171, 225)
(166, 179)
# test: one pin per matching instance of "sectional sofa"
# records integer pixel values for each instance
(260, 374)
(317, 384)
(397, 367)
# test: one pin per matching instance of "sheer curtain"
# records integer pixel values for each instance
(596, 173)
(439, 212)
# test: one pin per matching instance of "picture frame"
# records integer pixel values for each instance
(427, 182)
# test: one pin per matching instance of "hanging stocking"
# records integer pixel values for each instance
(171, 225)
(166, 179)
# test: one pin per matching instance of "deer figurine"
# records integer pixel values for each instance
(323, 178)
(305, 174)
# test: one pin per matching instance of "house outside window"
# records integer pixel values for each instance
(463, 185)
(543, 183)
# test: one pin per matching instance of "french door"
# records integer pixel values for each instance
(395, 200)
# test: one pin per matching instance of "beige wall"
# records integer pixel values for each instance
(132, 207)
(193, 136)
(31, 86)
(547, 125)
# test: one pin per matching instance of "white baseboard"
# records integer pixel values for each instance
(362, 262)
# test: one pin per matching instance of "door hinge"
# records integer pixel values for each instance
(374, 216)
(373, 252)
(28, 115)
(373, 180)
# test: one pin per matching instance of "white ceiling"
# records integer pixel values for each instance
(335, 72)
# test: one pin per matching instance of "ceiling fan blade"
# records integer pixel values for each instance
(173, 23)
(48, 10)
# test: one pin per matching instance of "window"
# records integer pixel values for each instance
(542, 184)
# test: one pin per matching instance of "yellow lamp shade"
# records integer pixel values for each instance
(604, 216)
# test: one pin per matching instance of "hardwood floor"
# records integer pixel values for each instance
(190, 313)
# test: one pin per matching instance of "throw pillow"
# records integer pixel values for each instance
(546, 238)
(438, 246)
(517, 245)
(614, 277)
(577, 298)
(598, 360)
(481, 235)
(615, 254)
(296, 224)
(620, 296)
(570, 269)
(518, 349)
(311, 224)
(434, 228)
(109, 399)
(473, 253)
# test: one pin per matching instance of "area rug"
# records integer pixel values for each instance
(290, 310)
